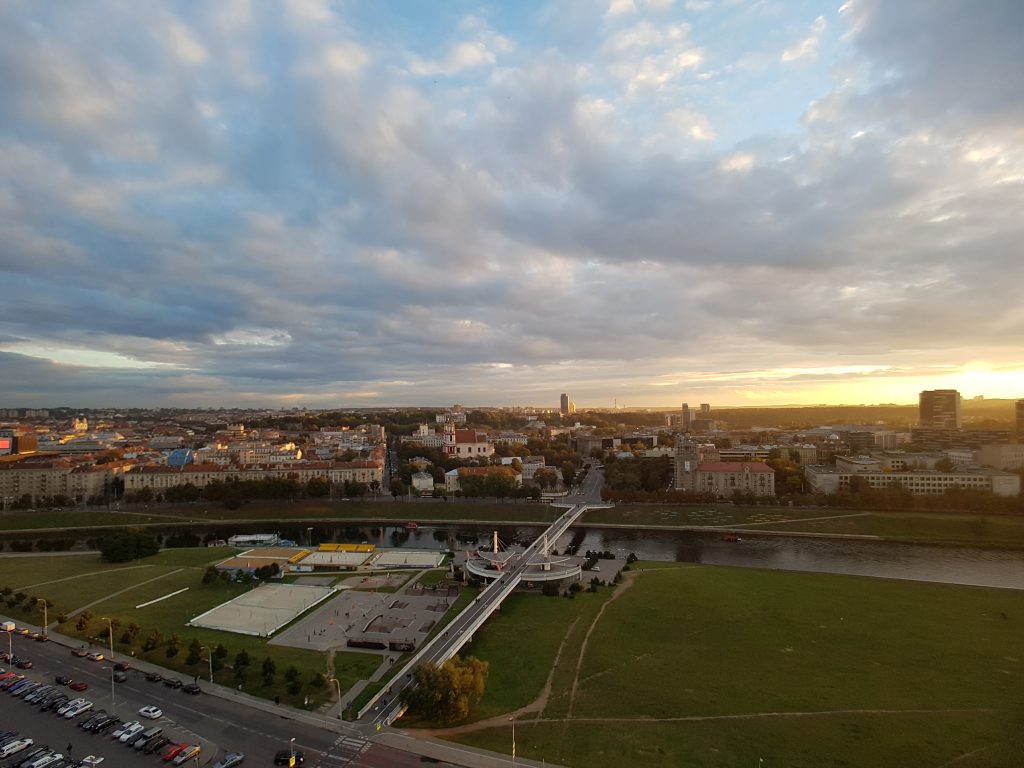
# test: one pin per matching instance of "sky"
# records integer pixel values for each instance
(320, 204)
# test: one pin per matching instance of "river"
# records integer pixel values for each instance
(918, 562)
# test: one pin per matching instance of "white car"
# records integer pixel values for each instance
(75, 711)
(67, 706)
(153, 713)
(119, 731)
(45, 760)
(15, 747)
(131, 731)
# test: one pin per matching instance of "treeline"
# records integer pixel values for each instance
(626, 475)
(233, 492)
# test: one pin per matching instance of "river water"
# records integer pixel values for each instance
(979, 567)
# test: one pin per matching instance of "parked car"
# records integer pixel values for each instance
(122, 666)
(230, 761)
(14, 747)
(62, 680)
(131, 731)
(156, 744)
(174, 750)
(106, 724)
(31, 754)
(147, 736)
(23, 663)
(56, 702)
(96, 656)
(153, 713)
(173, 682)
(154, 677)
(77, 685)
(80, 652)
(187, 754)
(78, 709)
(193, 689)
(27, 687)
(119, 732)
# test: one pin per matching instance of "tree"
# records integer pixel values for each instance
(122, 547)
(318, 487)
(269, 670)
(293, 678)
(398, 488)
(195, 653)
(545, 478)
(445, 694)
(210, 575)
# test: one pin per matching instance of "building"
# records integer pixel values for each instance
(158, 477)
(42, 480)
(466, 443)
(566, 406)
(938, 438)
(920, 482)
(1007, 457)
(686, 418)
(860, 442)
(698, 469)
(452, 479)
(724, 478)
(939, 409)
(423, 483)
(1019, 412)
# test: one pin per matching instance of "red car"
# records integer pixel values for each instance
(78, 685)
(80, 652)
(174, 750)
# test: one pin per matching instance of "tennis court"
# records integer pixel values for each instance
(263, 610)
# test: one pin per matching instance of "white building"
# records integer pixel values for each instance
(920, 482)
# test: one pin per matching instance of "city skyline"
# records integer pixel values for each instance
(650, 201)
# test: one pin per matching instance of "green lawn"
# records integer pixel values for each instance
(962, 530)
(74, 581)
(708, 666)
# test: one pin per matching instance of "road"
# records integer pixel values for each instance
(460, 631)
(222, 725)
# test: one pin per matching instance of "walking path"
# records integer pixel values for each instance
(122, 591)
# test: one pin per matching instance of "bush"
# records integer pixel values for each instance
(123, 547)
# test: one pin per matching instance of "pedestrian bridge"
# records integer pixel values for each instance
(445, 645)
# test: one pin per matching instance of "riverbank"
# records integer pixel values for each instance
(933, 528)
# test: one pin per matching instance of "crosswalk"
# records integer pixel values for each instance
(343, 752)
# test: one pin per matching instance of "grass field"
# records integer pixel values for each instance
(707, 666)
(110, 590)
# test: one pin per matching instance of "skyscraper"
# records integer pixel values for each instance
(1020, 421)
(566, 406)
(684, 423)
(939, 409)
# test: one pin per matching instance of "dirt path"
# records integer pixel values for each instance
(82, 575)
(535, 707)
(626, 584)
(965, 756)
(768, 715)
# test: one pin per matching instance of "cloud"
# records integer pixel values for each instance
(238, 205)
(806, 48)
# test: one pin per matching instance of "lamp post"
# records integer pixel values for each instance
(309, 537)
(291, 750)
(46, 619)
(110, 630)
(513, 721)
(113, 705)
(338, 686)
(209, 658)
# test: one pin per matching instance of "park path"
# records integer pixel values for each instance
(80, 575)
(794, 520)
(122, 591)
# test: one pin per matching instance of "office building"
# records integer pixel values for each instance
(566, 406)
(939, 409)
(1020, 420)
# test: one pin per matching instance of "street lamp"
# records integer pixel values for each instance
(309, 537)
(113, 705)
(291, 750)
(110, 630)
(338, 686)
(46, 619)
(209, 658)
(513, 721)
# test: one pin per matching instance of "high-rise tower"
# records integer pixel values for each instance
(939, 409)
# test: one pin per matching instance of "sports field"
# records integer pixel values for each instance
(704, 666)
(264, 610)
